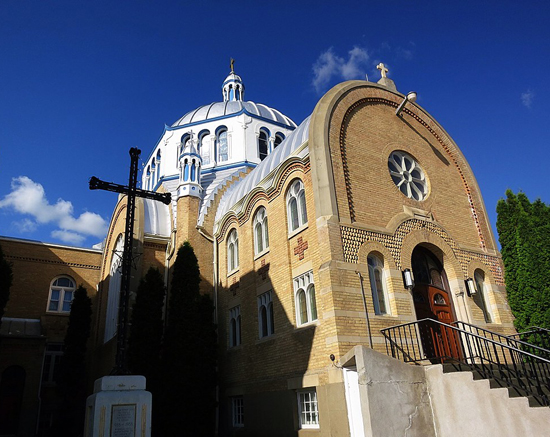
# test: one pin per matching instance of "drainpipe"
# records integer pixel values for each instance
(365, 305)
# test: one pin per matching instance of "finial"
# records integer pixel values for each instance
(232, 65)
(383, 69)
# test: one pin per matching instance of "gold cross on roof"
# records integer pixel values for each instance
(382, 68)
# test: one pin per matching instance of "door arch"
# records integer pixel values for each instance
(432, 300)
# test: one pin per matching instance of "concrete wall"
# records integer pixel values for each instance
(394, 395)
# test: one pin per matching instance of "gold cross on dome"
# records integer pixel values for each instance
(232, 65)
(382, 68)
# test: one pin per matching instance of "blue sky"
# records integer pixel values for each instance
(83, 81)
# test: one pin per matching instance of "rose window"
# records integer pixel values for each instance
(407, 175)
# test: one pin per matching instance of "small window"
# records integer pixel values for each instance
(223, 148)
(306, 303)
(261, 236)
(232, 251)
(439, 299)
(61, 295)
(237, 411)
(204, 147)
(296, 206)
(480, 298)
(266, 324)
(308, 409)
(377, 284)
(52, 361)
(262, 145)
(278, 140)
(235, 326)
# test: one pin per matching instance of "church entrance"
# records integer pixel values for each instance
(432, 300)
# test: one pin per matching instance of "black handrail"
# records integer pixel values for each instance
(428, 340)
(519, 343)
(535, 335)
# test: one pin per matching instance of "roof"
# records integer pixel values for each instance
(219, 110)
(240, 189)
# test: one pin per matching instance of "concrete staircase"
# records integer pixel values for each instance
(465, 404)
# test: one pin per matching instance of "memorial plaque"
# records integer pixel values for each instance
(123, 420)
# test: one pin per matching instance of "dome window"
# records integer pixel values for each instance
(262, 144)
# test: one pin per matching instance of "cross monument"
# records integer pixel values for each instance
(132, 192)
(383, 69)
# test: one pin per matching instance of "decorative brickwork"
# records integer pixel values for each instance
(300, 248)
(49, 261)
(353, 238)
(263, 270)
(362, 102)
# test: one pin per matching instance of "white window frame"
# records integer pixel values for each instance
(296, 194)
(237, 411)
(52, 359)
(263, 135)
(235, 334)
(232, 251)
(62, 301)
(218, 146)
(376, 266)
(265, 300)
(308, 406)
(304, 284)
(261, 243)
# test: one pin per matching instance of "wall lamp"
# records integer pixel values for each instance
(471, 287)
(410, 97)
(408, 279)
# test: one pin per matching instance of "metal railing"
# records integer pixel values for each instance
(516, 340)
(535, 335)
(431, 341)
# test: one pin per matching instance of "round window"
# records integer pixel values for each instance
(407, 175)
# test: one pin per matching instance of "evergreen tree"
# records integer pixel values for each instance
(189, 358)
(145, 342)
(72, 383)
(6, 279)
(524, 235)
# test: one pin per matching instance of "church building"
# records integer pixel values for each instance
(312, 238)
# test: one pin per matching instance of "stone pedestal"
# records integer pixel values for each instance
(119, 407)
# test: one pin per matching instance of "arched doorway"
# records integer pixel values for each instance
(12, 386)
(432, 300)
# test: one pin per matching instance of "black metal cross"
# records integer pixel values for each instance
(132, 192)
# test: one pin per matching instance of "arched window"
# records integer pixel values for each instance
(61, 294)
(158, 166)
(261, 236)
(153, 174)
(113, 297)
(296, 206)
(263, 144)
(278, 139)
(185, 170)
(377, 284)
(480, 298)
(222, 146)
(147, 178)
(235, 326)
(204, 147)
(232, 251)
(266, 325)
(306, 304)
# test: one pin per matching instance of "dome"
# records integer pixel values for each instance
(219, 110)
(233, 104)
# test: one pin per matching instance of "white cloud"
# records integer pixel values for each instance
(29, 197)
(329, 65)
(26, 225)
(68, 237)
(527, 98)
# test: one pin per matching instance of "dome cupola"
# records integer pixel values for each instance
(233, 87)
(190, 164)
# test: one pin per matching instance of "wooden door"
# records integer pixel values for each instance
(440, 343)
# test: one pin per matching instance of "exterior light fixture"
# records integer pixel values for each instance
(408, 279)
(411, 97)
(471, 287)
